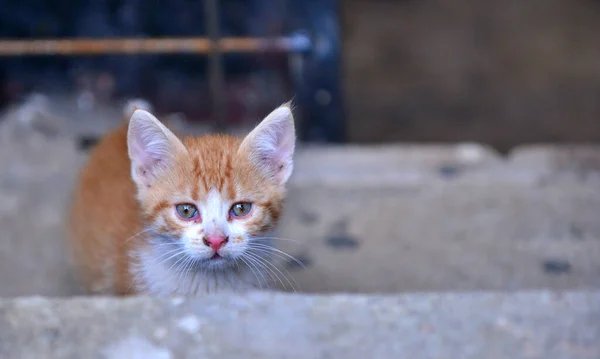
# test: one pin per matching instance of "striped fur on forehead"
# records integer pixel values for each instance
(217, 164)
(213, 162)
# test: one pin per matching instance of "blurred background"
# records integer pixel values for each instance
(500, 72)
(269, 53)
(449, 145)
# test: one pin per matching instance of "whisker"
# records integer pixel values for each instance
(197, 281)
(267, 263)
(131, 284)
(204, 276)
(176, 262)
(176, 267)
(287, 274)
(137, 234)
(169, 253)
(280, 239)
(184, 267)
(162, 256)
(277, 251)
(182, 270)
(259, 271)
(188, 269)
(237, 273)
(271, 274)
(210, 271)
(253, 272)
(164, 244)
(269, 254)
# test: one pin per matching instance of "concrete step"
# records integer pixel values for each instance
(449, 237)
(531, 325)
(368, 218)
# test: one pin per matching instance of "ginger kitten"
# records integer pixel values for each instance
(161, 215)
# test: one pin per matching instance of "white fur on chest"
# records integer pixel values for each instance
(159, 279)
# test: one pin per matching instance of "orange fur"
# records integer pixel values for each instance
(114, 219)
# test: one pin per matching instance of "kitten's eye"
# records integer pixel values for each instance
(186, 210)
(240, 209)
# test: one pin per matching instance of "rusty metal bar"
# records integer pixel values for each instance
(194, 45)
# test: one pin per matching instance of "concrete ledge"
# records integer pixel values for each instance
(433, 217)
(273, 325)
(401, 165)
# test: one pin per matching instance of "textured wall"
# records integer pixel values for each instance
(503, 72)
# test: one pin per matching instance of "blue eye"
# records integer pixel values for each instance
(186, 210)
(240, 209)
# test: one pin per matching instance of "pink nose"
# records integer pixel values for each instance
(215, 242)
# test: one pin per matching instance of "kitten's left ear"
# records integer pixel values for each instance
(152, 147)
(270, 146)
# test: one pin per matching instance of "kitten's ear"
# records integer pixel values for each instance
(152, 147)
(270, 146)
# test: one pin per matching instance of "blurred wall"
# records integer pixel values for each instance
(499, 71)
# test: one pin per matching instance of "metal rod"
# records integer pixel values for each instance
(195, 45)
(216, 80)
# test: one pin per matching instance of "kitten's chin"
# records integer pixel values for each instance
(215, 262)
(218, 262)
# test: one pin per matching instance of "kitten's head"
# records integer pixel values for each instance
(210, 196)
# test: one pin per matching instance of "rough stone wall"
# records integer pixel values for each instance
(500, 72)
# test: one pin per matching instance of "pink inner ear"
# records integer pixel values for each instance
(273, 146)
(148, 147)
(286, 139)
(139, 150)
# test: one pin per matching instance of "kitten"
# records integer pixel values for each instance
(161, 215)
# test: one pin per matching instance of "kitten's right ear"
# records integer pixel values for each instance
(152, 147)
(270, 146)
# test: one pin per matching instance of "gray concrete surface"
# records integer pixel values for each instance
(384, 219)
(450, 237)
(364, 219)
(265, 325)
